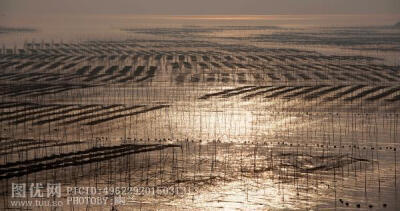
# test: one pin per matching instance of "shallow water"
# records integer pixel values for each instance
(247, 113)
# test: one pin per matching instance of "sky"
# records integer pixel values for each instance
(200, 7)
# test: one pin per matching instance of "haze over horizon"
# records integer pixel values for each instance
(204, 7)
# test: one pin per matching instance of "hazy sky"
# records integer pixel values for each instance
(199, 7)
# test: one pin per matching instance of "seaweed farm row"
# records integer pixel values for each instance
(345, 93)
